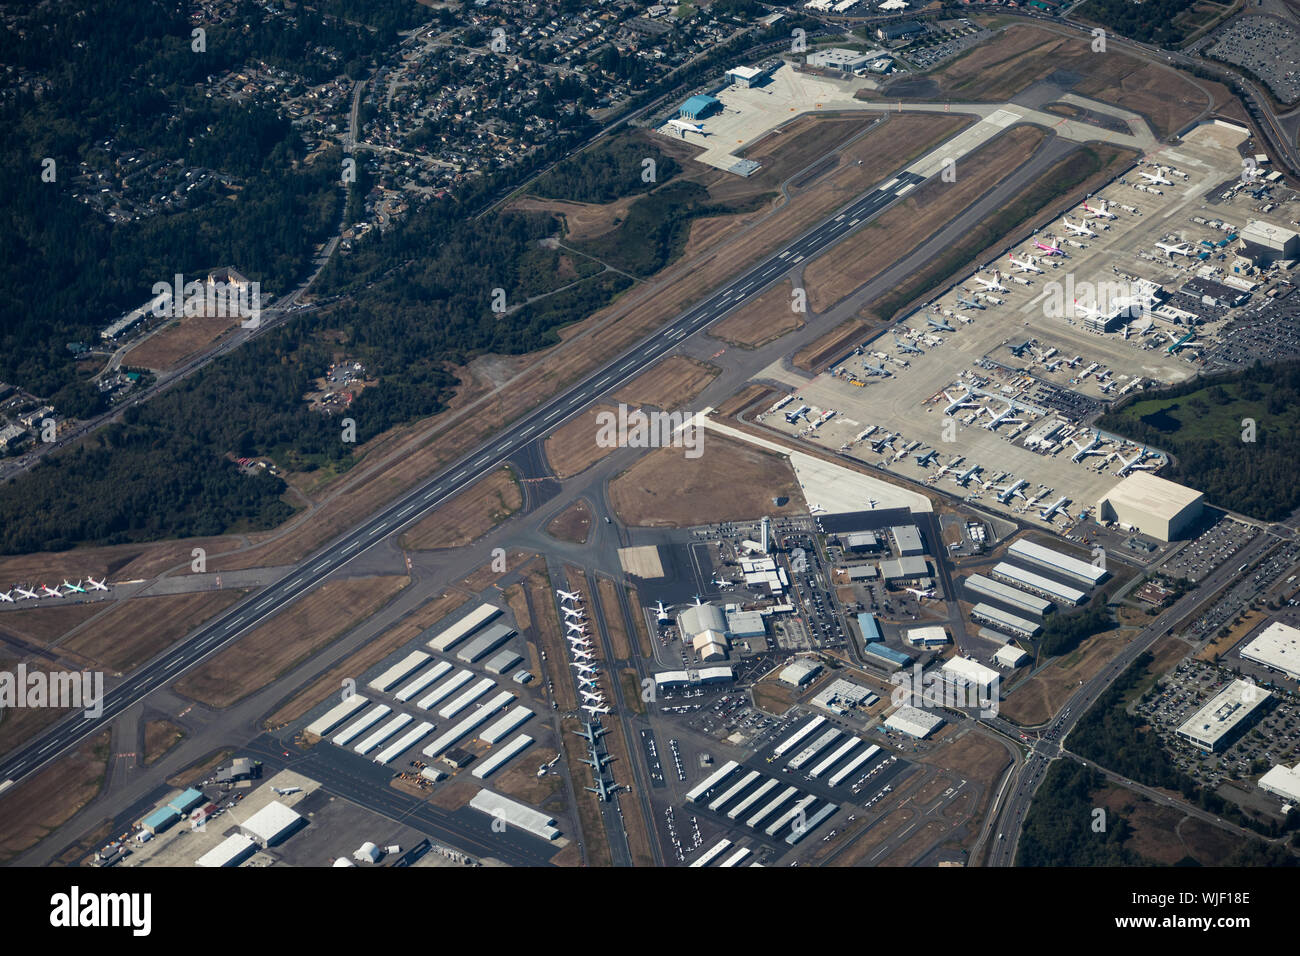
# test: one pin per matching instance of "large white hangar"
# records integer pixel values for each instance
(1154, 506)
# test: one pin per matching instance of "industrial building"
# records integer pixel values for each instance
(698, 618)
(907, 541)
(843, 691)
(710, 646)
(905, 570)
(965, 674)
(231, 851)
(914, 722)
(515, 814)
(1011, 623)
(463, 628)
(162, 819)
(1163, 509)
(1283, 781)
(838, 58)
(186, 801)
(1054, 560)
(750, 76)
(502, 662)
(1008, 655)
(1266, 243)
(1037, 584)
(1020, 600)
(861, 541)
(485, 643)
(884, 656)
(869, 628)
(744, 624)
(272, 824)
(698, 107)
(800, 673)
(1228, 713)
(931, 636)
(1278, 648)
(399, 671)
(667, 680)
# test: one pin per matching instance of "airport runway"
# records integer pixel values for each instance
(411, 506)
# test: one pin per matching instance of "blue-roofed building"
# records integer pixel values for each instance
(160, 820)
(869, 628)
(698, 107)
(886, 656)
(187, 801)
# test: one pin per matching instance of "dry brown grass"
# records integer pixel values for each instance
(45, 625)
(819, 352)
(1039, 698)
(573, 524)
(469, 515)
(120, 561)
(181, 340)
(638, 622)
(614, 625)
(119, 640)
(160, 736)
(571, 449)
(730, 481)
(38, 806)
(669, 384)
(761, 321)
(289, 637)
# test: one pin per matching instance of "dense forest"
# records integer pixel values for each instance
(609, 171)
(1058, 829)
(1062, 633)
(1153, 21)
(1204, 424)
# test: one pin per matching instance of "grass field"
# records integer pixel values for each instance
(36, 807)
(573, 524)
(763, 320)
(181, 340)
(669, 384)
(469, 515)
(571, 449)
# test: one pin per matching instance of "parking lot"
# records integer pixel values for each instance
(1210, 549)
(1268, 47)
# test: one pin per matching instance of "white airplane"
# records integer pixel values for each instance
(51, 592)
(579, 626)
(661, 613)
(568, 595)
(285, 791)
(1003, 417)
(593, 695)
(584, 667)
(96, 585)
(1079, 229)
(24, 593)
(593, 709)
(684, 127)
(573, 612)
(814, 509)
(1049, 512)
(956, 403)
(967, 475)
(1172, 249)
(1012, 491)
(1137, 460)
(921, 593)
(583, 656)
(75, 588)
(1025, 265)
(1156, 178)
(1101, 211)
(1085, 450)
(994, 284)
(1050, 250)
(6, 596)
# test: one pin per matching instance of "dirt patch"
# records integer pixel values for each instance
(730, 481)
(37, 807)
(1038, 699)
(819, 353)
(573, 524)
(669, 384)
(45, 625)
(614, 624)
(761, 321)
(180, 341)
(520, 781)
(160, 736)
(291, 636)
(469, 515)
(121, 561)
(571, 449)
(131, 632)
(773, 697)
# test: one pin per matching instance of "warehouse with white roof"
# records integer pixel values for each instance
(1004, 620)
(515, 814)
(1277, 647)
(272, 824)
(1155, 506)
(1054, 560)
(463, 628)
(1228, 713)
(231, 851)
(1038, 584)
(1283, 781)
(914, 722)
(1021, 601)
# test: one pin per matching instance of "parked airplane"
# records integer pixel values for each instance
(907, 346)
(591, 732)
(1183, 343)
(24, 593)
(594, 709)
(661, 613)
(940, 324)
(285, 791)
(51, 592)
(1050, 512)
(96, 585)
(75, 588)
(929, 456)
(1156, 179)
(683, 127)
(574, 612)
(593, 695)
(994, 284)
(7, 597)
(1101, 211)
(956, 403)
(1003, 417)
(1050, 250)
(1087, 311)
(1019, 350)
(603, 791)
(874, 368)
(967, 475)
(1011, 491)
(584, 667)
(1025, 265)
(598, 762)
(569, 595)
(1079, 229)
(970, 303)
(1175, 249)
(1085, 450)
(581, 654)
(921, 594)
(814, 508)
(1134, 462)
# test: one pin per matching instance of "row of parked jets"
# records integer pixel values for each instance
(45, 590)
(575, 623)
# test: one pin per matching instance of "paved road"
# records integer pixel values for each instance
(410, 507)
